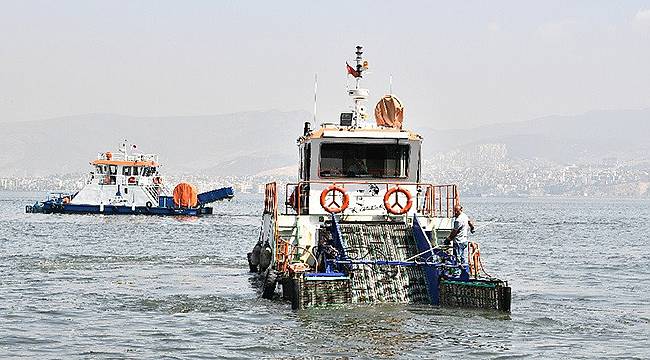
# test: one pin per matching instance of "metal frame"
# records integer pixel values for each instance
(432, 205)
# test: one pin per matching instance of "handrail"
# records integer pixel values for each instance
(430, 205)
(271, 208)
(153, 191)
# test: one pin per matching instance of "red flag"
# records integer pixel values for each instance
(352, 71)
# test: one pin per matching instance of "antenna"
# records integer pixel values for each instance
(390, 84)
(315, 93)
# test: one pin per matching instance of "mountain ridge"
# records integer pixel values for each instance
(249, 143)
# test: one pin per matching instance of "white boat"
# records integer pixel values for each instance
(360, 225)
(130, 183)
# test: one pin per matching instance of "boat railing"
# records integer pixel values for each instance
(121, 156)
(153, 192)
(271, 209)
(60, 197)
(429, 200)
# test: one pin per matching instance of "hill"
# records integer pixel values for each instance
(586, 137)
(240, 143)
(263, 142)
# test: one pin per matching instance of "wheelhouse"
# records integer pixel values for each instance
(337, 153)
(125, 169)
(362, 165)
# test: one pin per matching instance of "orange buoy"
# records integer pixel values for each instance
(395, 207)
(185, 195)
(332, 205)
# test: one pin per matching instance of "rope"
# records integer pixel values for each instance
(476, 260)
(422, 253)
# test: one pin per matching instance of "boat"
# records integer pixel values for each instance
(359, 226)
(130, 183)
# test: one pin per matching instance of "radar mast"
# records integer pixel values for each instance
(358, 94)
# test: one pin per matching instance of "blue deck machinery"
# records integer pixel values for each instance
(431, 275)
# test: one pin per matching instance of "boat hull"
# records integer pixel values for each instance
(48, 208)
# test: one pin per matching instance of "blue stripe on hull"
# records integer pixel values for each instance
(126, 210)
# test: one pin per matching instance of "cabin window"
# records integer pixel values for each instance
(135, 170)
(364, 160)
(112, 169)
(149, 171)
(126, 171)
(99, 169)
(126, 190)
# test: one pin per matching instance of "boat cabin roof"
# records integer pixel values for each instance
(366, 132)
(124, 159)
(124, 163)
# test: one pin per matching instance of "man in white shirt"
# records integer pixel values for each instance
(462, 224)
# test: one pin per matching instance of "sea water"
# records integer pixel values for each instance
(146, 287)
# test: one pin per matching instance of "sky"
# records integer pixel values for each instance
(453, 64)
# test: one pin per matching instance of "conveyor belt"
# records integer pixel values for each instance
(371, 284)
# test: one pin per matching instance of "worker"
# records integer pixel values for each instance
(459, 235)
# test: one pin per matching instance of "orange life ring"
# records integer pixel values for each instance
(132, 180)
(333, 189)
(157, 180)
(396, 208)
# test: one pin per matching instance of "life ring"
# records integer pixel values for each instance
(333, 189)
(396, 208)
(132, 180)
(157, 180)
(148, 204)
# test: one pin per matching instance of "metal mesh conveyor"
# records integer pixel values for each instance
(368, 276)
(489, 294)
(312, 291)
(371, 283)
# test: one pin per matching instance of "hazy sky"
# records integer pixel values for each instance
(453, 64)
